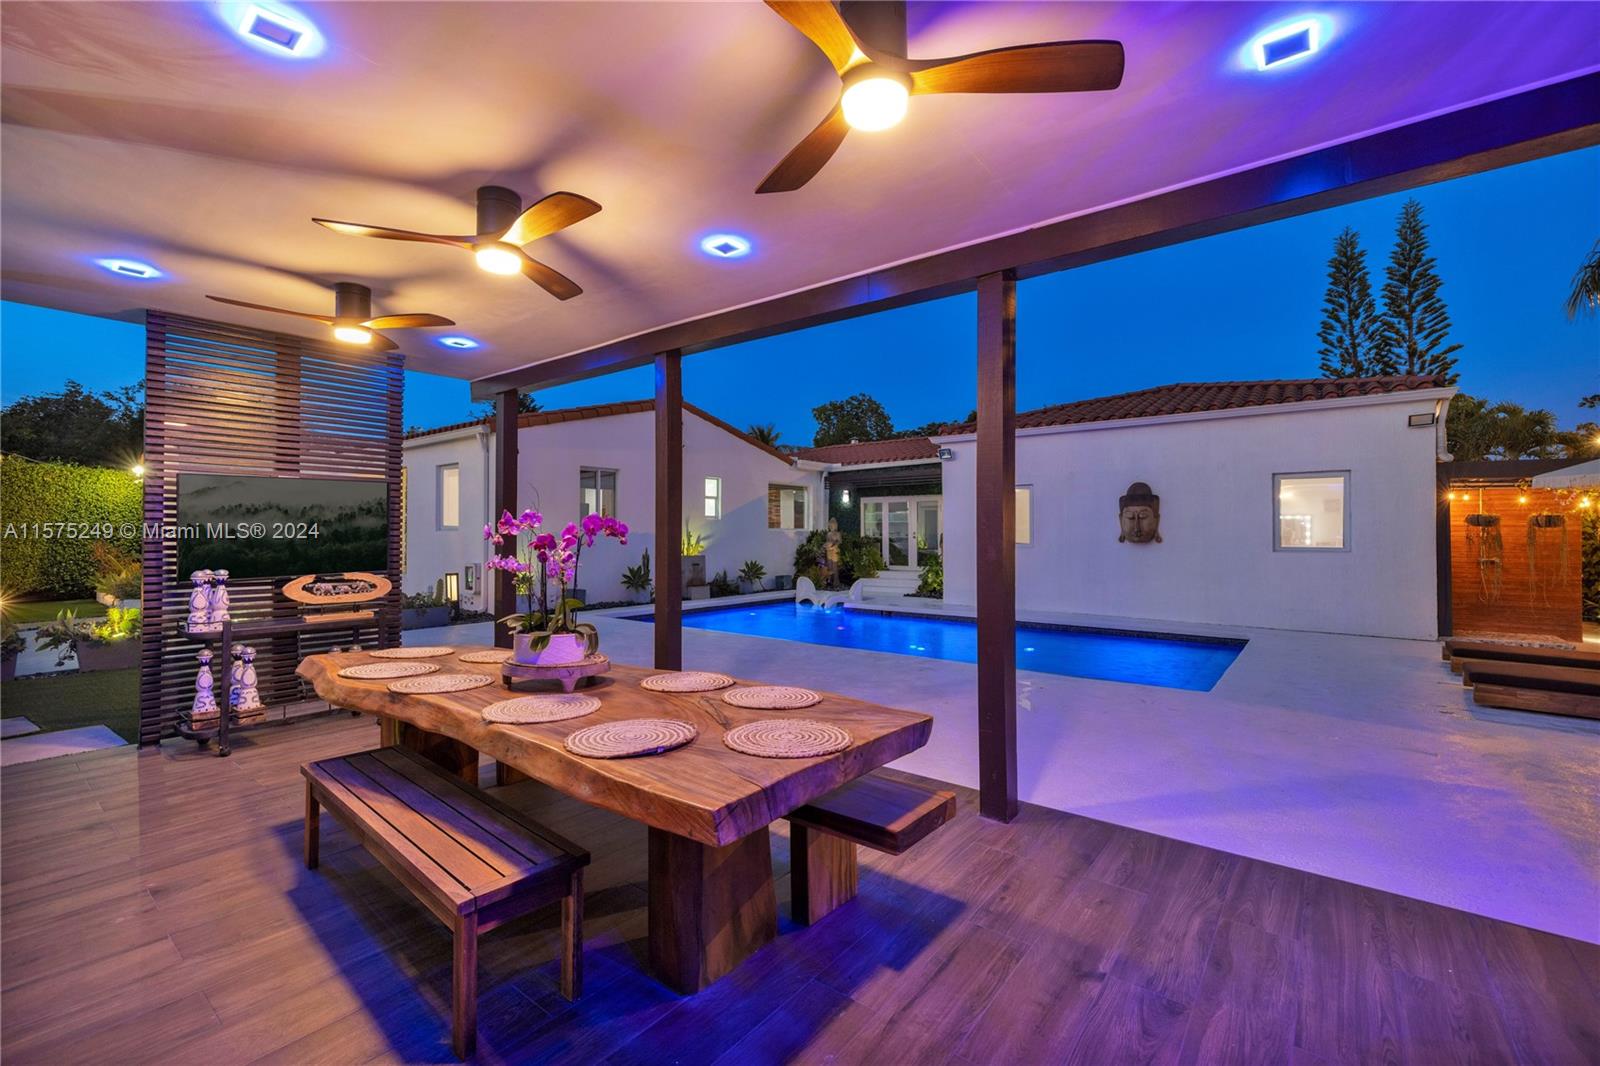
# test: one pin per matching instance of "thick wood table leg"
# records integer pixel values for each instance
(710, 907)
(822, 872)
(456, 758)
(508, 775)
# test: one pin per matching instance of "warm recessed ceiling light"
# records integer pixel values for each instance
(273, 27)
(1286, 43)
(458, 342)
(725, 245)
(129, 268)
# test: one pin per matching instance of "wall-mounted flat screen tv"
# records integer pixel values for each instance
(281, 526)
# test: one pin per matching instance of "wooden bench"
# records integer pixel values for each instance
(875, 811)
(471, 860)
(1458, 652)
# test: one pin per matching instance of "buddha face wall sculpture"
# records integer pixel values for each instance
(1139, 515)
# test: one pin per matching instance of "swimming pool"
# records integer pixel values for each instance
(1141, 658)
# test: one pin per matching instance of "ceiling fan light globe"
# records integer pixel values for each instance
(875, 102)
(499, 259)
(352, 334)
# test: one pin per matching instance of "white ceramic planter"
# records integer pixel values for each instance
(562, 649)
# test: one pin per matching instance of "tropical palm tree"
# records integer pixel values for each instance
(1585, 296)
(767, 434)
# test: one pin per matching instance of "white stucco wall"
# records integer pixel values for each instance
(1216, 562)
(549, 460)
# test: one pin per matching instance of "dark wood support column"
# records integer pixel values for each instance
(997, 545)
(505, 499)
(669, 511)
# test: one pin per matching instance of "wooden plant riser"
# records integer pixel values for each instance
(522, 676)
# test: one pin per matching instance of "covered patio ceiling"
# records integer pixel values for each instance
(151, 131)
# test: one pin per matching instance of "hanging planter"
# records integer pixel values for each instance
(1483, 535)
(1544, 528)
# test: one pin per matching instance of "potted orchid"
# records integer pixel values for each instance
(548, 633)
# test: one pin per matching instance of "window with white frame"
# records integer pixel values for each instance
(713, 497)
(1311, 511)
(786, 507)
(1024, 514)
(597, 490)
(449, 483)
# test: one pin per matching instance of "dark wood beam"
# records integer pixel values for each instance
(996, 515)
(669, 511)
(505, 499)
(1540, 122)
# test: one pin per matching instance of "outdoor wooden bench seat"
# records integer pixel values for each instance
(1459, 651)
(874, 811)
(1532, 687)
(470, 859)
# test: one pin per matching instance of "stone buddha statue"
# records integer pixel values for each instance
(1139, 515)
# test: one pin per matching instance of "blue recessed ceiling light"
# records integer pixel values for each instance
(725, 245)
(272, 27)
(459, 342)
(1287, 43)
(129, 268)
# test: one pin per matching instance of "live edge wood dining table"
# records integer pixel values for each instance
(711, 897)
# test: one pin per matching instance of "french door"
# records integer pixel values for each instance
(907, 528)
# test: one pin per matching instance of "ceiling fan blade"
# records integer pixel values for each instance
(551, 280)
(1056, 67)
(820, 21)
(406, 321)
(809, 156)
(555, 212)
(381, 343)
(326, 320)
(356, 229)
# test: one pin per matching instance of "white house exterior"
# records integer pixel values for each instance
(1249, 477)
(604, 454)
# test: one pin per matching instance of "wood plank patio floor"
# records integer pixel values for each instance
(154, 908)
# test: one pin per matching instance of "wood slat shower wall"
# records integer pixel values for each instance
(224, 399)
(1543, 600)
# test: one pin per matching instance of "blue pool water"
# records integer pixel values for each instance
(1171, 662)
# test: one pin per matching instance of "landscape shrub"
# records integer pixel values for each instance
(858, 557)
(33, 495)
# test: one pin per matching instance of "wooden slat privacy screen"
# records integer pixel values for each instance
(223, 399)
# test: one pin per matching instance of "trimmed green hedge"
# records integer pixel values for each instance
(37, 493)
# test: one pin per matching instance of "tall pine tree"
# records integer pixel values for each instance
(1350, 323)
(1416, 325)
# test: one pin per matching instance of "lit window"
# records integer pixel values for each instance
(713, 494)
(598, 489)
(786, 507)
(450, 497)
(1310, 511)
(1024, 514)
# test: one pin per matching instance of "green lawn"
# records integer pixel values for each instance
(69, 700)
(26, 611)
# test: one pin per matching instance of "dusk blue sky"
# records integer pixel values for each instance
(1237, 306)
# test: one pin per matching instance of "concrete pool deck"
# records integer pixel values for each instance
(1359, 758)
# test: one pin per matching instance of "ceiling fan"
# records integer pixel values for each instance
(352, 319)
(503, 228)
(865, 40)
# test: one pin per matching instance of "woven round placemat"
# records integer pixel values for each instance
(771, 697)
(423, 686)
(433, 651)
(381, 671)
(787, 738)
(637, 736)
(686, 681)
(497, 655)
(529, 710)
